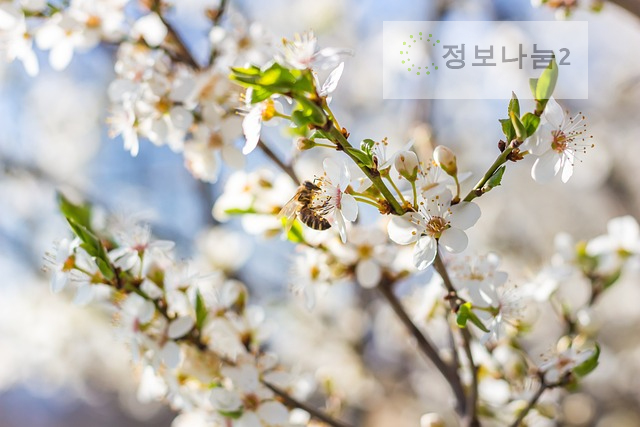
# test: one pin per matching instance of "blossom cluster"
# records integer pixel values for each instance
(201, 344)
(197, 340)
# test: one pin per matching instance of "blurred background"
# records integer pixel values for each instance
(60, 364)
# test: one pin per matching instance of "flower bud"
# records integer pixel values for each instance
(303, 144)
(406, 163)
(446, 160)
(431, 419)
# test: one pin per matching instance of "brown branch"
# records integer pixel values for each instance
(632, 6)
(471, 418)
(184, 53)
(426, 346)
(282, 165)
(534, 399)
(293, 402)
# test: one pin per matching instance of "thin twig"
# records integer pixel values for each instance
(632, 6)
(185, 54)
(215, 22)
(472, 405)
(315, 413)
(534, 399)
(426, 346)
(282, 165)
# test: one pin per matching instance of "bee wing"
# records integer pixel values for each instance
(289, 211)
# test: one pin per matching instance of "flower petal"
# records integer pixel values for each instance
(402, 231)
(567, 171)
(424, 252)
(180, 327)
(333, 170)
(342, 228)
(546, 167)
(273, 413)
(464, 215)
(368, 273)
(251, 126)
(349, 207)
(554, 113)
(454, 240)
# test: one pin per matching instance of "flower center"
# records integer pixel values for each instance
(365, 251)
(251, 402)
(436, 225)
(560, 141)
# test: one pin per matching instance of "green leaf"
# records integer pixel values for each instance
(201, 311)
(530, 122)
(588, 365)
(547, 81)
(234, 415)
(466, 314)
(320, 134)
(295, 234)
(81, 214)
(367, 146)
(611, 278)
(533, 83)
(521, 132)
(362, 157)
(240, 211)
(496, 179)
(259, 94)
(514, 105)
(312, 111)
(94, 247)
(508, 130)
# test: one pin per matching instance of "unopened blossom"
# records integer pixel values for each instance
(557, 142)
(446, 160)
(302, 53)
(407, 164)
(151, 28)
(436, 221)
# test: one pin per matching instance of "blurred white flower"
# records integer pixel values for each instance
(302, 53)
(15, 40)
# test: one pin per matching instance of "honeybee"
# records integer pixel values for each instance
(301, 205)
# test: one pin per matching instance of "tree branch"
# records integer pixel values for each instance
(426, 346)
(471, 418)
(282, 165)
(632, 6)
(293, 402)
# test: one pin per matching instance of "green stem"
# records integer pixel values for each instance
(415, 194)
(477, 190)
(367, 201)
(395, 187)
(374, 176)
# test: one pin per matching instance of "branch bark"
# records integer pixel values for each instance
(632, 6)
(427, 347)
